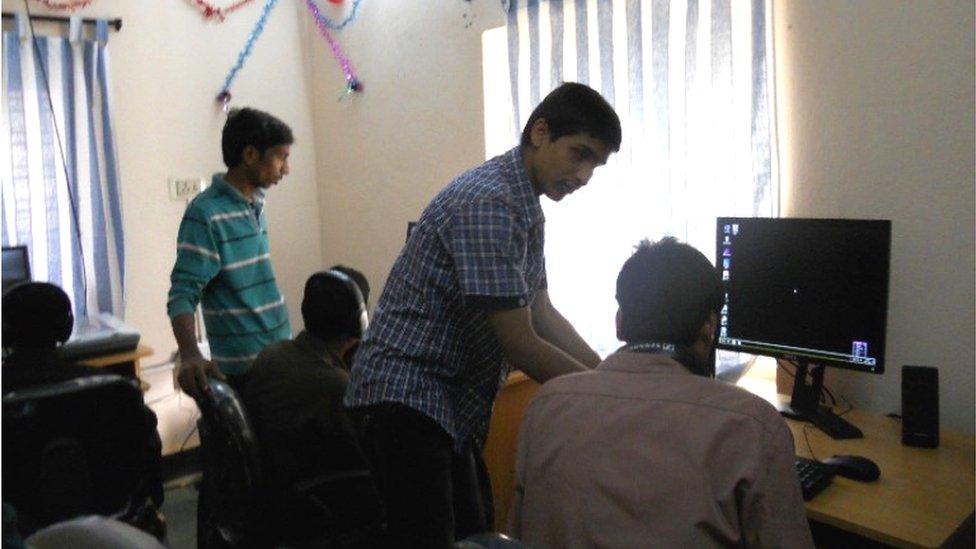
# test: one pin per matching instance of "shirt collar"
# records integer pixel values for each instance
(222, 185)
(642, 363)
(522, 188)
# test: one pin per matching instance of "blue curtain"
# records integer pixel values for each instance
(60, 190)
(690, 82)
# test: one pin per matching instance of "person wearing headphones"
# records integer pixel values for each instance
(293, 398)
(37, 321)
(649, 447)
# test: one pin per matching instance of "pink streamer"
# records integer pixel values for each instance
(353, 84)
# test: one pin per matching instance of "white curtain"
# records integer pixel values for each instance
(689, 80)
(60, 190)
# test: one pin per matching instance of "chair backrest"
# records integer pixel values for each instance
(71, 448)
(232, 478)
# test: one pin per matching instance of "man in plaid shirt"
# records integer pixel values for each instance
(466, 302)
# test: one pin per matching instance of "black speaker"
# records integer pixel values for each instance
(920, 406)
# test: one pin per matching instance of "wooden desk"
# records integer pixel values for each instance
(922, 497)
(126, 363)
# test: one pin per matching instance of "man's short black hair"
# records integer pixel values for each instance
(573, 108)
(329, 308)
(666, 292)
(36, 315)
(249, 126)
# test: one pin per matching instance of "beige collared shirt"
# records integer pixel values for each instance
(641, 453)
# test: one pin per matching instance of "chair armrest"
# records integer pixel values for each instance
(308, 486)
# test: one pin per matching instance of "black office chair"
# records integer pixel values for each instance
(489, 540)
(73, 448)
(237, 508)
(229, 506)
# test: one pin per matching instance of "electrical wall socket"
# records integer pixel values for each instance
(183, 189)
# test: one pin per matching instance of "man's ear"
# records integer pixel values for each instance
(618, 321)
(540, 132)
(250, 155)
(708, 330)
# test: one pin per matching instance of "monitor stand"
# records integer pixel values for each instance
(805, 404)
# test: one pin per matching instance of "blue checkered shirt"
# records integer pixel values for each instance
(478, 246)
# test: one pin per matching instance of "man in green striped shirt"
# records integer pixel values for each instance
(223, 260)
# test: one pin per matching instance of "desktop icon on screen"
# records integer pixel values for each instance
(725, 275)
(726, 252)
(860, 349)
(726, 263)
(727, 229)
(725, 309)
(735, 229)
(724, 331)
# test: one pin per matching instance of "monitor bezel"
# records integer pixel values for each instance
(25, 256)
(796, 357)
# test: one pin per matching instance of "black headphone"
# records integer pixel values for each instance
(358, 320)
(34, 310)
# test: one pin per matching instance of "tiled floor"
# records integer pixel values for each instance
(180, 509)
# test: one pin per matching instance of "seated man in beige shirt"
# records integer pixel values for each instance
(649, 450)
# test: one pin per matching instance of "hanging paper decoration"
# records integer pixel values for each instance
(70, 5)
(322, 20)
(353, 84)
(211, 11)
(224, 96)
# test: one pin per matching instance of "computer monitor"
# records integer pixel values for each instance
(15, 266)
(814, 291)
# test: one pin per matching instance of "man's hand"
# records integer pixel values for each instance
(192, 375)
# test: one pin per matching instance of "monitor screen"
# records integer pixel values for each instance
(814, 290)
(15, 266)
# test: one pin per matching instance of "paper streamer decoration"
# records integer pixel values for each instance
(353, 84)
(224, 96)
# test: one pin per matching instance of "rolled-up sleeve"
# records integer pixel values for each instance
(197, 263)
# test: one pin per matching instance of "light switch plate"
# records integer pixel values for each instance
(183, 189)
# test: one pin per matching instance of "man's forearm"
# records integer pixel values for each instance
(184, 329)
(542, 361)
(554, 328)
(527, 350)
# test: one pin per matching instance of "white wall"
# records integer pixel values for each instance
(167, 64)
(876, 114)
(383, 154)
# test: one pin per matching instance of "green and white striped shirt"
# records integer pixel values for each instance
(223, 261)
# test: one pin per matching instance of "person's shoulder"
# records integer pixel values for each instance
(209, 202)
(275, 354)
(568, 384)
(485, 182)
(736, 400)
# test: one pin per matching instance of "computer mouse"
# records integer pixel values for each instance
(855, 467)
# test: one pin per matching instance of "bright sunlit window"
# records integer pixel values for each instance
(696, 139)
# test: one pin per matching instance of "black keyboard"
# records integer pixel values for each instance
(814, 476)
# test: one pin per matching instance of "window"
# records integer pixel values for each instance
(689, 82)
